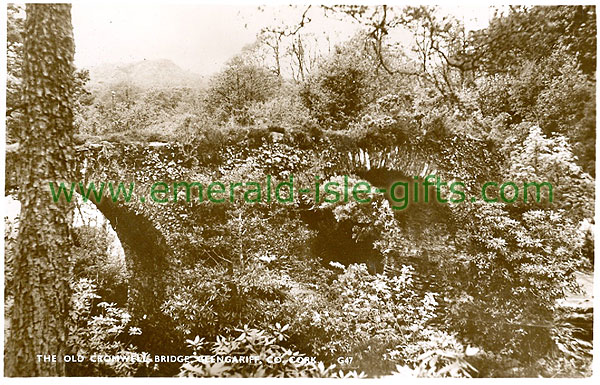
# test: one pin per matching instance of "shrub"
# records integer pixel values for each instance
(207, 301)
(101, 329)
(512, 266)
(265, 346)
(363, 316)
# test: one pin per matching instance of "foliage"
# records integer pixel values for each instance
(514, 265)
(94, 259)
(207, 301)
(240, 84)
(364, 316)
(95, 328)
(101, 328)
(507, 40)
(284, 110)
(264, 346)
(342, 87)
(542, 159)
(350, 231)
(482, 297)
(551, 93)
(439, 355)
(149, 115)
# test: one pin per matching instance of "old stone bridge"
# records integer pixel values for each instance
(153, 234)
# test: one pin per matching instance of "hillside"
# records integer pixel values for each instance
(144, 74)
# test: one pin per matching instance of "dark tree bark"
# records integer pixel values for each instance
(39, 313)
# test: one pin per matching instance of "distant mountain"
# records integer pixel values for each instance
(161, 73)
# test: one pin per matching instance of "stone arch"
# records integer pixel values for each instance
(146, 255)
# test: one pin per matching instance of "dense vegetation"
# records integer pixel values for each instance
(435, 290)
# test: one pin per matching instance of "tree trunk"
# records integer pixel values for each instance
(39, 313)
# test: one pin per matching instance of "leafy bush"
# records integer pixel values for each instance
(207, 301)
(272, 359)
(539, 158)
(363, 316)
(439, 354)
(237, 87)
(101, 329)
(513, 266)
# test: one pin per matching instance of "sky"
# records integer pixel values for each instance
(197, 37)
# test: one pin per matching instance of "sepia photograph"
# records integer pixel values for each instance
(293, 190)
